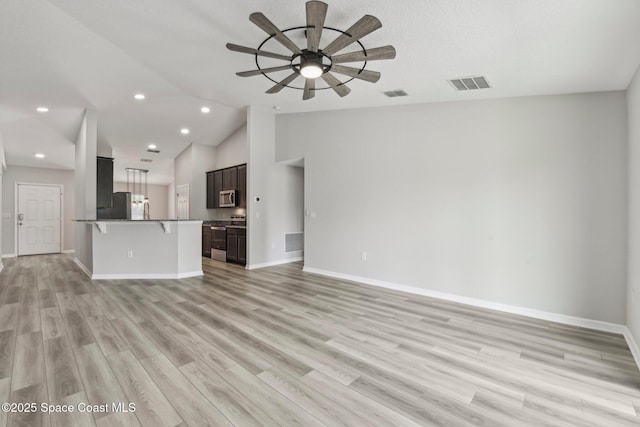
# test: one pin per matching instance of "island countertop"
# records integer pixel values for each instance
(142, 249)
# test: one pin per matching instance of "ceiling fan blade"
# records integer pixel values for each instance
(278, 87)
(242, 49)
(263, 71)
(336, 85)
(366, 25)
(309, 89)
(268, 27)
(370, 76)
(384, 52)
(316, 12)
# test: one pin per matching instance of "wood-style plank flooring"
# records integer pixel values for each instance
(279, 347)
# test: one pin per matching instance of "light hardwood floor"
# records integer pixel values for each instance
(280, 347)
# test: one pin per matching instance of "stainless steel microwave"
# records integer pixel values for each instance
(228, 199)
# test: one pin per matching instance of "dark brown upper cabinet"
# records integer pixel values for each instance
(230, 178)
(233, 178)
(104, 181)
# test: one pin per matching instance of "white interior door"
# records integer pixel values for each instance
(182, 201)
(39, 219)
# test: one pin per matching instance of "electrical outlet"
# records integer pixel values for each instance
(364, 256)
(130, 253)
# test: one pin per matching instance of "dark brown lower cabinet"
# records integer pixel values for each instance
(237, 245)
(242, 248)
(206, 241)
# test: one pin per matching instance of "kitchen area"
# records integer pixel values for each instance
(162, 240)
(224, 238)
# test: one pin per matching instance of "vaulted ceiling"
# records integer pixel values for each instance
(72, 54)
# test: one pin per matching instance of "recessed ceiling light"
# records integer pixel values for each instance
(205, 109)
(42, 109)
(184, 131)
(152, 146)
(139, 96)
(39, 155)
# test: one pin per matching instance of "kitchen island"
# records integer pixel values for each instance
(141, 249)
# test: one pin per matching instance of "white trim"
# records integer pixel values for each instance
(1, 266)
(523, 311)
(82, 266)
(66, 251)
(125, 276)
(273, 263)
(16, 207)
(633, 345)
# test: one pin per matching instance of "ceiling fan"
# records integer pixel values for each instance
(312, 62)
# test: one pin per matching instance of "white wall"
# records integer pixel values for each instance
(2, 170)
(203, 160)
(190, 168)
(85, 186)
(233, 150)
(279, 189)
(633, 290)
(158, 198)
(515, 201)
(23, 174)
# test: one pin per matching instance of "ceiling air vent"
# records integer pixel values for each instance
(395, 93)
(470, 83)
(146, 160)
(153, 151)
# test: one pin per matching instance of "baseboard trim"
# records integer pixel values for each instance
(633, 345)
(142, 276)
(273, 263)
(523, 311)
(66, 251)
(82, 266)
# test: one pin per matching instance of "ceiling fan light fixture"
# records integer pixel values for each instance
(311, 69)
(311, 66)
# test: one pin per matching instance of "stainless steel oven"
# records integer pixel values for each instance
(219, 244)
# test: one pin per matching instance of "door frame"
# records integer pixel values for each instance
(16, 208)
(182, 186)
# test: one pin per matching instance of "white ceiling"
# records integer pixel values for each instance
(73, 54)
